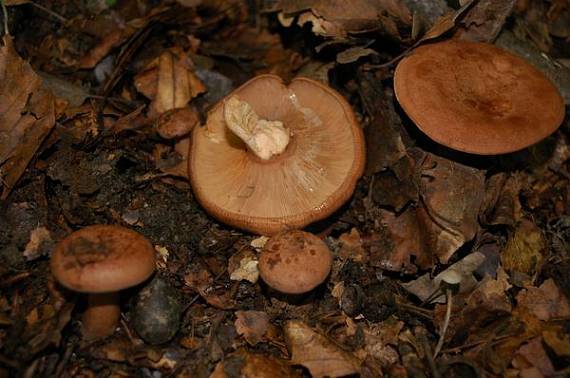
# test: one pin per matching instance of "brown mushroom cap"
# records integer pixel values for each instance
(294, 262)
(477, 98)
(311, 179)
(102, 258)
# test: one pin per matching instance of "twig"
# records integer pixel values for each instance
(5, 15)
(445, 323)
(50, 12)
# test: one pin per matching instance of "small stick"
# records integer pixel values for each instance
(445, 323)
(50, 12)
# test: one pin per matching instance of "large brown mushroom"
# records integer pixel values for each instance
(101, 260)
(477, 98)
(273, 156)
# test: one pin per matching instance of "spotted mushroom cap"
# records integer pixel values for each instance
(477, 98)
(311, 179)
(102, 258)
(294, 262)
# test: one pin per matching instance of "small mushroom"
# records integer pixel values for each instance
(294, 262)
(477, 98)
(273, 157)
(101, 260)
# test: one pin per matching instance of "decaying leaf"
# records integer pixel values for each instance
(524, 250)
(27, 115)
(484, 21)
(243, 266)
(452, 195)
(339, 18)
(249, 365)
(532, 361)
(254, 326)
(39, 238)
(169, 81)
(177, 123)
(317, 353)
(352, 54)
(461, 271)
(545, 302)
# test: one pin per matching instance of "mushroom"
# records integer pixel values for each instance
(294, 262)
(477, 98)
(101, 260)
(273, 157)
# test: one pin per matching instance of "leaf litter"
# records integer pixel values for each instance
(443, 263)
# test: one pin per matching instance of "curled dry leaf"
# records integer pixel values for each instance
(484, 21)
(243, 266)
(318, 354)
(169, 81)
(452, 196)
(338, 18)
(27, 115)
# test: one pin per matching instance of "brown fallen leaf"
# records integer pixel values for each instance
(317, 353)
(558, 341)
(484, 21)
(545, 302)
(169, 81)
(177, 123)
(27, 115)
(254, 326)
(39, 239)
(531, 358)
(249, 365)
(338, 18)
(115, 38)
(452, 195)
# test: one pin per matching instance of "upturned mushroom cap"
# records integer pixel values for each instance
(477, 98)
(313, 177)
(294, 262)
(102, 258)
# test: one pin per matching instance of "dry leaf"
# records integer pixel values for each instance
(27, 115)
(243, 266)
(177, 123)
(545, 302)
(484, 21)
(253, 326)
(532, 357)
(317, 353)
(452, 196)
(169, 81)
(249, 365)
(38, 237)
(461, 271)
(338, 18)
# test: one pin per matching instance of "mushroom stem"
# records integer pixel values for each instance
(264, 138)
(101, 316)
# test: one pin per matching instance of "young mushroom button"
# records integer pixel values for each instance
(273, 157)
(101, 260)
(294, 262)
(476, 98)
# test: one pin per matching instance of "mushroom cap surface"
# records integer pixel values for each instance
(102, 258)
(311, 179)
(477, 98)
(295, 262)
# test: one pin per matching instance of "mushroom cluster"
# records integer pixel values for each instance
(101, 260)
(273, 156)
(477, 98)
